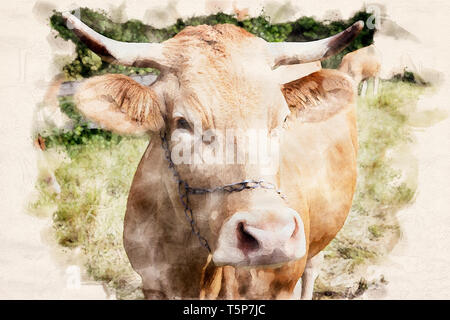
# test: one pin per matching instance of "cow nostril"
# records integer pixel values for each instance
(246, 242)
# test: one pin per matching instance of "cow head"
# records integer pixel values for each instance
(216, 90)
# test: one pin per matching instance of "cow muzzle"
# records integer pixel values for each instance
(261, 238)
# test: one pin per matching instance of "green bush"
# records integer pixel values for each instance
(82, 132)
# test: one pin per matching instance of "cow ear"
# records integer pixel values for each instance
(319, 95)
(120, 104)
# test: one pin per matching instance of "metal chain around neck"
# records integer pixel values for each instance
(184, 190)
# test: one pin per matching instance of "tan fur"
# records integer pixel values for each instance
(323, 93)
(362, 64)
(51, 95)
(325, 148)
(241, 14)
(210, 282)
(99, 99)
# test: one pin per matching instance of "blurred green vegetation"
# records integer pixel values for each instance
(88, 212)
(82, 131)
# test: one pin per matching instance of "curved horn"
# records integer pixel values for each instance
(301, 52)
(125, 53)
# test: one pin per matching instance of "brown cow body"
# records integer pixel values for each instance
(260, 242)
(362, 65)
(150, 215)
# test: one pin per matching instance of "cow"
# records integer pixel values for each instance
(49, 115)
(201, 229)
(361, 65)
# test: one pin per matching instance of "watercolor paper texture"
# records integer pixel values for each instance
(395, 243)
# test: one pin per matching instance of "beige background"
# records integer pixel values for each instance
(29, 268)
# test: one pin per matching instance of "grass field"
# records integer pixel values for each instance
(95, 176)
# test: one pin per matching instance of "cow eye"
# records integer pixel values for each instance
(181, 123)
